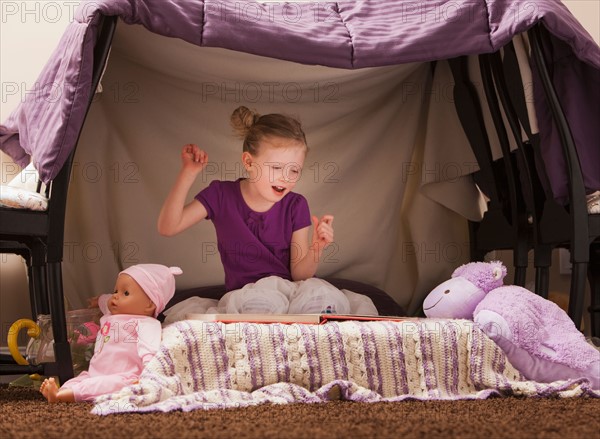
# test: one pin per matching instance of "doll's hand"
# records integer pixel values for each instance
(93, 302)
(322, 233)
(193, 158)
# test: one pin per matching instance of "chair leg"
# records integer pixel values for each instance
(542, 260)
(520, 262)
(475, 254)
(578, 279)
(542, 281)
(31, 284)
(520, 276)
(40, 288)
(38, 280)
(62, 351)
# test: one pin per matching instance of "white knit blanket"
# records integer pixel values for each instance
(213, 365)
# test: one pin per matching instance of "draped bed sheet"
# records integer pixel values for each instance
(214, 365)
(370, 154)
(346, 34)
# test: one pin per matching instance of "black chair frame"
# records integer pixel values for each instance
(39, 238)
(533, 218)
(506, 223)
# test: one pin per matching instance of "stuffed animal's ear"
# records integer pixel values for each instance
(498, 270)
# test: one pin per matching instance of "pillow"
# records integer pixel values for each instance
(593, 203)
(20, 192)
(536, 367)
(22, 199)
(537, 336)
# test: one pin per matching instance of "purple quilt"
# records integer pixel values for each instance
(350, 35)
(207, 365)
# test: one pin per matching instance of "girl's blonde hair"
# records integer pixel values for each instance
(251, 127)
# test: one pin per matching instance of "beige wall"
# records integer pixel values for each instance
(588, 14)
(29, 31)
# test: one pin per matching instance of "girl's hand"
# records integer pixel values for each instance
(322, 233)
(193, 158)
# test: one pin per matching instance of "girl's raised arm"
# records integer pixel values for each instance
(175, 216)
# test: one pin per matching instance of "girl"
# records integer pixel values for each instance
(262, 226)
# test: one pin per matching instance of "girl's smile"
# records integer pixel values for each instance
(272, 173)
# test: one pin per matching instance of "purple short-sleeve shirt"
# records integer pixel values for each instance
(252, 244)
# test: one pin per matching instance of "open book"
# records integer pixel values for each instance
(314, 319)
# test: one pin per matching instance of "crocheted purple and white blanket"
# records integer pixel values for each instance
(214, 365)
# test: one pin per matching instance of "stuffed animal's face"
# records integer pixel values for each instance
(454, 299)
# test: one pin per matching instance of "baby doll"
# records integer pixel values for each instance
(129, 336)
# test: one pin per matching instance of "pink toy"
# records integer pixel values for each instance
(537, 336)
(86, 333)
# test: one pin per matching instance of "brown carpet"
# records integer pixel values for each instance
(24, 414)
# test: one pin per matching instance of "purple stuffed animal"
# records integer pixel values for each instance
(537, 336)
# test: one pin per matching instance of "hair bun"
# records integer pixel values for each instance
(242, 120)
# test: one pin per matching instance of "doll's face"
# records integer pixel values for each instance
(130, 298)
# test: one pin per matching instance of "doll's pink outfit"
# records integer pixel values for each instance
(124, 345)
(125, 342)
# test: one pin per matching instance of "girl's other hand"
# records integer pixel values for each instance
(322, 232)
(193, 158)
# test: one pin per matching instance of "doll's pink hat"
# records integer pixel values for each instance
(157, 281)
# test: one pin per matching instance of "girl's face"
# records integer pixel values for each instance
(276, 169)
(130, 298)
